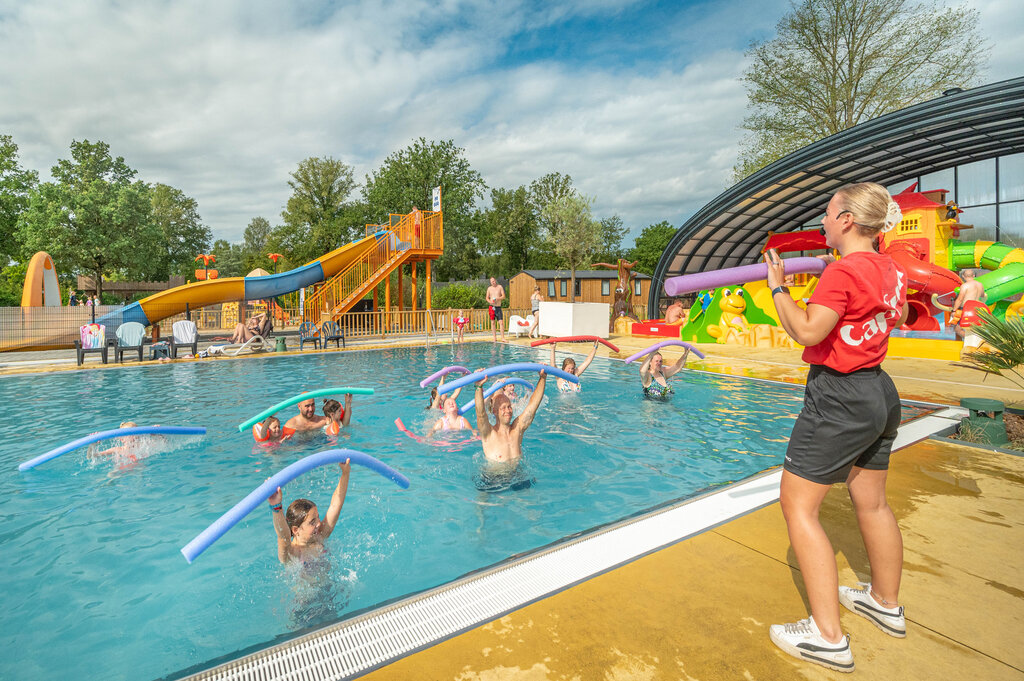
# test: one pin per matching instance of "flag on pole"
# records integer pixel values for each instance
(437, 198)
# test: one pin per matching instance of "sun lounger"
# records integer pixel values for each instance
(184, 335)
(93, 339)
(130, 337)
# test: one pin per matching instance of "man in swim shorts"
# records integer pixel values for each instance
(306, 419)
(503, 441)
(496, 294)
(674, 313)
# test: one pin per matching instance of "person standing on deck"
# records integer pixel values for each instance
(846, 429)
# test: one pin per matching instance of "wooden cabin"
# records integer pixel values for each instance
(592, 286)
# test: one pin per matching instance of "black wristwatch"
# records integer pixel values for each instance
(780, 289)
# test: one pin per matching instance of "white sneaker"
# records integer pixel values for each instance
(803, 640)
(860, 601)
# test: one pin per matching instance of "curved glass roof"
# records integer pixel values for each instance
(970, 125)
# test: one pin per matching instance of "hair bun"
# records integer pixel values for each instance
(893, 216)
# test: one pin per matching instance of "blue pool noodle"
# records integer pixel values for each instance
(106, 435)
(302, 397)
(493, 389)
(259, 495)
(506, 369)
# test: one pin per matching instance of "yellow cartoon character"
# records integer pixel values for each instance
(733, 325)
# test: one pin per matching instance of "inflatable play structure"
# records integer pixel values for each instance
(734, 305)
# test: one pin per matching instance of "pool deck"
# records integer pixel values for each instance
(701, 608)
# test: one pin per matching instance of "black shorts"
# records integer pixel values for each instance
(496, 313)
(848, 420)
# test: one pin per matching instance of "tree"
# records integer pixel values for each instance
(229, 259)
(511, 229)
(254, 244)
(650, 245)
(546, 189)
(573, 233)
(320, 191)
(184, 236)
(612, 232)
(15, 185)
(837, 63)
(93, 217)
(407, 178)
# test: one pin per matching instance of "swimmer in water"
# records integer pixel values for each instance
(503, 441)
(451, 420)
(437, 400)
(338, 417)
(300, 532)
(270, 430)
(125, 449)
(569, 366)
(654, 374)
(307, 419)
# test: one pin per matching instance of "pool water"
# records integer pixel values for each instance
(95, 586)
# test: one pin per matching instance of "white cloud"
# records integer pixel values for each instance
(222, 100)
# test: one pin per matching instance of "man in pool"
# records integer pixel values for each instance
(503, 441)
(307, 419)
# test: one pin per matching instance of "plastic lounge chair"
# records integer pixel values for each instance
(331, 331)
(130, 337)
(308, 334)
(93, 339)
(184, 335)
(260, 340)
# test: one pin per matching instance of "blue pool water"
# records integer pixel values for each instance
(94, 585)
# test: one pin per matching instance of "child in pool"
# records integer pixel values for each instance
(338, 417)
(270, 430)
(300, 532)
(437, 400)
(123, 450)
(451, 420)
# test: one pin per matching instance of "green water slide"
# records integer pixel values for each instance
(1000, 282)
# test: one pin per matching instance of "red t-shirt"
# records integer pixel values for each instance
(867, 291)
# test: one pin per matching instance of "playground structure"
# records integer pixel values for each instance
(345, 275)
(926, 244)
(41, 287)
(339, 280)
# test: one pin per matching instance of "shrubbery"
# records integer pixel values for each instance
(460, 297)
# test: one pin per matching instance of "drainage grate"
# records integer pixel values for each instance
(371, 640)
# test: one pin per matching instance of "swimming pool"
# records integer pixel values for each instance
(96, 587)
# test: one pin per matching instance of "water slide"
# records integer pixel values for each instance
(202, 293)
(1006, 262)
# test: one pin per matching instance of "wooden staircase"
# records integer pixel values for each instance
(408, 237)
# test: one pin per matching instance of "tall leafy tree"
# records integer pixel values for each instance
(546, 189)
(512, 229)
(93, 217)
(184, 236)
(15, 185)
(320, 191)
(407, 178)
(650, 245)
(254, 245)
(836, 63)
(573, 233)
(612, 232)
(230, 261)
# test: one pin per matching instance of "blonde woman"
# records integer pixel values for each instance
(847, 427)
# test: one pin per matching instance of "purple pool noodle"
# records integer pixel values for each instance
(493, 389)
(506, 369)
(259, 495)
(443, 372)
(106, 435)
(662, 344)
(731, 276)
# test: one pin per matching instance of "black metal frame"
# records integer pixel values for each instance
(972, 125)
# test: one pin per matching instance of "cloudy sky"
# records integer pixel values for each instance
(639, 101)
